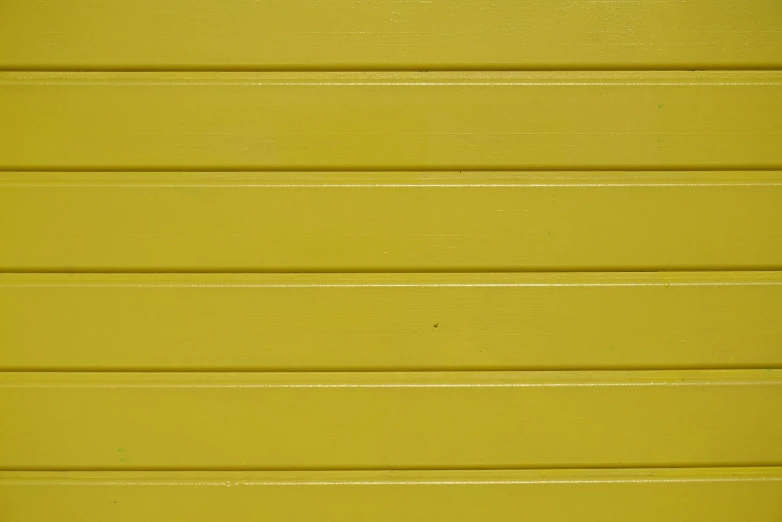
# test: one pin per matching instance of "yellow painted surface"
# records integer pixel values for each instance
(391, 260)
(390, 221)
(390, 321)
(392, 34)
(721, 495)
(389, 420)
(467, 120)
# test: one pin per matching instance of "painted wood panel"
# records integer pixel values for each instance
(649, 495)
(333, 121)
(390, 260)
(388, 420)
(438, 34)
(390, 321)
(291, 222)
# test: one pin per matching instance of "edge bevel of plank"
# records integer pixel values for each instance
(351, 222)
(457, 34)
(332, 322)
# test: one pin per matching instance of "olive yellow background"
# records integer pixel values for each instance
(351, 260)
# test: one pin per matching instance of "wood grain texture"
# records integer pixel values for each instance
(390, 221)
(481, 120)
(680, 495)
(390, 322)
(391, 34)
(389, 420)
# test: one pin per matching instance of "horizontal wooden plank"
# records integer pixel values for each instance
(391, 120)
(389, 34)
(397, 321)
(389, 420)
(680, 495)
(390, 221)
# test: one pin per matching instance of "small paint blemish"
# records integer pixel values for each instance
(436, 325)
(659, 105)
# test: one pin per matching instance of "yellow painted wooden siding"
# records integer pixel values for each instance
(678, 495)
(332, 322)
(410, 120)
(391, 260)
(389, 34)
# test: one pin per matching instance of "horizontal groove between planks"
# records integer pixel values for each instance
(455, 69)
(351, 222)
(468, 120)
(421, 169)
(389, 34)
(390, 322)
(384, 469)
(422, 420)
(390, 270)
(400, 477)
(397, 380)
